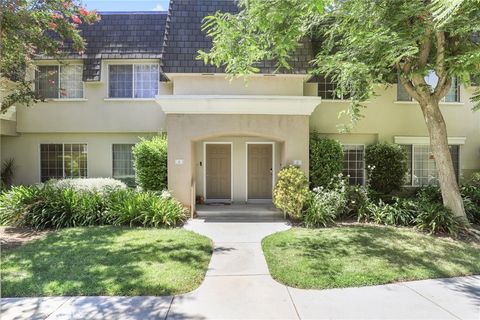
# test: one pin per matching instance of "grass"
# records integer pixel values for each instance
(364, 255)
(107, 261)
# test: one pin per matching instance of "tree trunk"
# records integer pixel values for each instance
(443, 159)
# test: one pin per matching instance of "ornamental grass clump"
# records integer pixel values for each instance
(44, 207)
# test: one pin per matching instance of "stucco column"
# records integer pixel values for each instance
(180, 162)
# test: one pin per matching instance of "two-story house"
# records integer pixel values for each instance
(227, 139)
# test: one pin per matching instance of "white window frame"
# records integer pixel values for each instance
(58, 66)
(132, 97)
(63, 158)
(113, 161)
(364, 170)
(413, 145)
(442, 101)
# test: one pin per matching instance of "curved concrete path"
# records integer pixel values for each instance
(238, 286)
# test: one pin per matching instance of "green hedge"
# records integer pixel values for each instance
(326, 160)
(150, 163)
(43, 207)
(387, 167)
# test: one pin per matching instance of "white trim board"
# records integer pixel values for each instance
(235, 104)
(426, 140)
(205, 169)
(246, 171)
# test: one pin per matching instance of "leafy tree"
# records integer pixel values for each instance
(362, 43)
(36, 27)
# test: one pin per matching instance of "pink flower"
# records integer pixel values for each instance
(67, 4)
(57, 16)
(84, 12)
(76, 19)
(52, 25)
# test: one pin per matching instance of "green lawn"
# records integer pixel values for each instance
(364, 255)
(107, 261)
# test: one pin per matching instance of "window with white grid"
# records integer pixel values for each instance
(354, 163)
(133, 81)
(422, 170)
(59, 81)
(71, 84)
(431, 79)
(63, 161)
(122, 161)
(326, 89)
(146, 80)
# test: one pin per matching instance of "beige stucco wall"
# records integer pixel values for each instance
(96, 112)
(185, 131)
(278, 85)
(25, 150)
(384, 118)
(239, 163)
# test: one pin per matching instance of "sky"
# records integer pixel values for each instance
(126, 5)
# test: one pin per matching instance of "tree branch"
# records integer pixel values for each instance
(444, 81)
(425, 47)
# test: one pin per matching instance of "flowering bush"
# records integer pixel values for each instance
(291, 191)
(325, 205)
(326, 160)
(88, 184)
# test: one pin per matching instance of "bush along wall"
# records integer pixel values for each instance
(326, 160)
(51, 206)
(150, 163)
(387, 167)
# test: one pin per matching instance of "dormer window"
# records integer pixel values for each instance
(431, 79)
(133, 81)
(59, 81)
(327, 88)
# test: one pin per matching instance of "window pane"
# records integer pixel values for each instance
(146, 80)
(51, 164)
(402, 94)
(354, 163)
(453, 94)
(123, 161)
(120, 81)
(71, 84)
(408, 150)
(326, 89)
(425, 171)
(75, 160)
(46, 81)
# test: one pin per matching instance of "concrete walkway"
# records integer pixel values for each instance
(239, 286)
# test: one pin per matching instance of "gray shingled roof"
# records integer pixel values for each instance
(184, 37)
(174, 38)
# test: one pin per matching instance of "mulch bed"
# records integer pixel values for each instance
(11, 237)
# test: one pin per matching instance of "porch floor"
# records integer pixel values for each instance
(239, 213)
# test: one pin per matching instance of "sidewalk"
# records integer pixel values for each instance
(239, 286)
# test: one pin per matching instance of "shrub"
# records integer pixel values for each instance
(88, 184)
(7, 172)
(326, 160)
(324, 206)
(47, 207)
(128, 207)
(471, 199)
(16, 202)
(475, 180)
(433, 217)
(291, 191)
(387, 165)
(357, 200)
(150, 163)
(401, 212)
